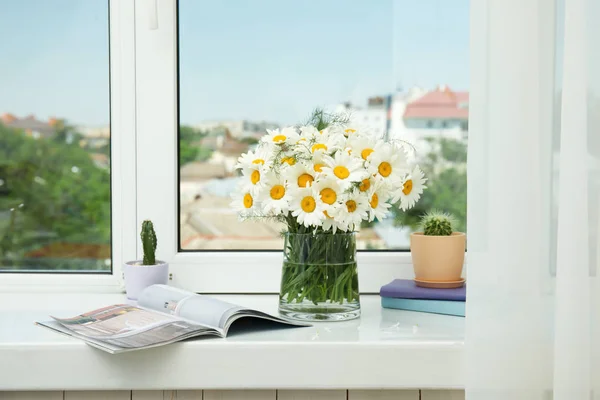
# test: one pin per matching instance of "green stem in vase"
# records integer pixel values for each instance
(319, 267)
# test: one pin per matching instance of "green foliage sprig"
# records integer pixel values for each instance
(148, 243)
(436, 223)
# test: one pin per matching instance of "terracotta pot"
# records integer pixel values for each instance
(438, 258)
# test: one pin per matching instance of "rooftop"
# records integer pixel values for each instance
(442, 103)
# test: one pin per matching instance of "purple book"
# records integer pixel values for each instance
(407, 289)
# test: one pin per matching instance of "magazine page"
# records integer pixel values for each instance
(204, 310)
(129, 326)
(110, 347)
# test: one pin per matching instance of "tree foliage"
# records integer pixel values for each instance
(51, 192)
(190, 148)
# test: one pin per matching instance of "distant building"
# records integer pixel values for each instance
(413, 115)
(100, 160)
(94, 137)
(439, 109)
(238, 129)
(30, 125)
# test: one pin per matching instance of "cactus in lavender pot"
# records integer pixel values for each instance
(436, 223)
(148, 243)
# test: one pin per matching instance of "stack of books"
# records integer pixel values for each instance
(404, 294)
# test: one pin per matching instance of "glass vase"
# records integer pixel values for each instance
(319, 280)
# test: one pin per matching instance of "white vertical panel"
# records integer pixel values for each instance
(147, 395)
(240, 395)
(189, 395)
(311, 395)
(442, 395)
(31, 395)
(383, 395)
(98, 395)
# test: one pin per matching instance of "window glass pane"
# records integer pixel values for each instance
(398, 68)
(54, 136)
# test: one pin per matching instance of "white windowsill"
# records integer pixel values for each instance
(388, 349)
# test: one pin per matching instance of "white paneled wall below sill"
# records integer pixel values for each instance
(239, 395)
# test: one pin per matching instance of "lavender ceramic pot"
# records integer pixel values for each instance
(138, 277)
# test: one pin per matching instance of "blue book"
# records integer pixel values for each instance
(407, 289)
(446, 307)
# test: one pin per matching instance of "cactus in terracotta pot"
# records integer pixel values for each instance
(436, 223)
(438, 252)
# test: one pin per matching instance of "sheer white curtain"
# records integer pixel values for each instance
(533, 308)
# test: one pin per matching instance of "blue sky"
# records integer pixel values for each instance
(269, 60)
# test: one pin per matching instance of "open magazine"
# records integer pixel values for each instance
(163, 315)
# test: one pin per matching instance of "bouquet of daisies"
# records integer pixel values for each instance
(326, 180)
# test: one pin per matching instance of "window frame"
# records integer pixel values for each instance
(123, 169)
(157, 164)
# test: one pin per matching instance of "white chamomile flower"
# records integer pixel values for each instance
(345, 168)
(367, 183)
(389, 161)
(353, 211)
(411, 190)
(254, 158)
(287, 159)
(329, 190)
(332, 223)
(378, 198)
(308, 134)
(349, 132)
(300, 175)
(362, 146)
(326, 144)
(244, 202)
(318, 163)
(274, 196)
(285, 136)
(253, 176)
(306, 206)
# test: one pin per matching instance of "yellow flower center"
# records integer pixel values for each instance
(321, 131)
(248, 200)
(374, 201)
(351, 205)
(308, 204)
(305, 180)
(279, 138)
(341, 172)
(259, 161)
(408, 185)
(301, 140)
(318, 146)
(277, 192)
(326, 214)
(255, 177)
(288, 160)
(366, 153)
(318, 167)
(364, 185)
(328, 196)
(350, 131)
(385, 169)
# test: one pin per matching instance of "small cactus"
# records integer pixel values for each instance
(148, 243)
(437, 223)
